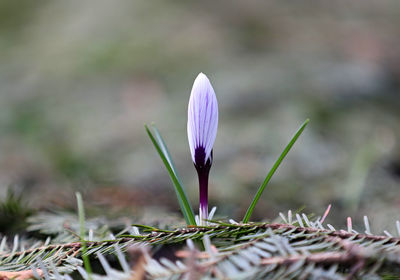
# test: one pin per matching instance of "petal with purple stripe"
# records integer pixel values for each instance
(202, 119)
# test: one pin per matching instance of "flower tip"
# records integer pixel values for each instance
(201, 79)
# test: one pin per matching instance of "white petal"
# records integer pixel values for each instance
(202, 116)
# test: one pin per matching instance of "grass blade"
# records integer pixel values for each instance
(272, 171)
(81, 214)
(162, 150)
(165, 151)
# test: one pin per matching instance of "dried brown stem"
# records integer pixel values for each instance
(341, 234)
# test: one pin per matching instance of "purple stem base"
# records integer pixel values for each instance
(203, 170)
(203, 192)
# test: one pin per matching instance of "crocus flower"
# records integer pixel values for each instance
(202, 130)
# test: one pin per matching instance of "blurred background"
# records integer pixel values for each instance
(79, 80)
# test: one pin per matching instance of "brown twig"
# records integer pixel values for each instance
(353, 256)
(338, 233)
(71, 245)
(276, 226)
(139, 266)
(273, 226)
(316, 258)
(19, 275)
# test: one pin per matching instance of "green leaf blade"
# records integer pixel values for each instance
(272, 171)
(162, 150)
(82, 230)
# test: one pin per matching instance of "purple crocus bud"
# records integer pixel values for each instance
(202, 130)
